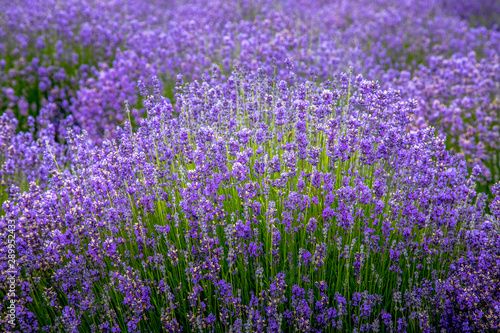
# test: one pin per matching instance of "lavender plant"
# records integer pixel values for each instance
(461, 97)
(261, 206)
(470, 296)
(479, 13)
(46, 50)
(82, 73)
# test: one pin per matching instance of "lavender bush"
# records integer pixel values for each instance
(470, 296)
(461, 97)
(264, 189)
(274, 37)
(81, 73)
(262, 206)
(46, 50)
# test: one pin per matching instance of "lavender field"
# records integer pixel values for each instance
(250, 166)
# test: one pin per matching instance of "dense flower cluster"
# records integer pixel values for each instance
(470, 296)
(273, 186)
(461, 97)
(486, 12)
(77, 65)
(262, 206)
(47, 50)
